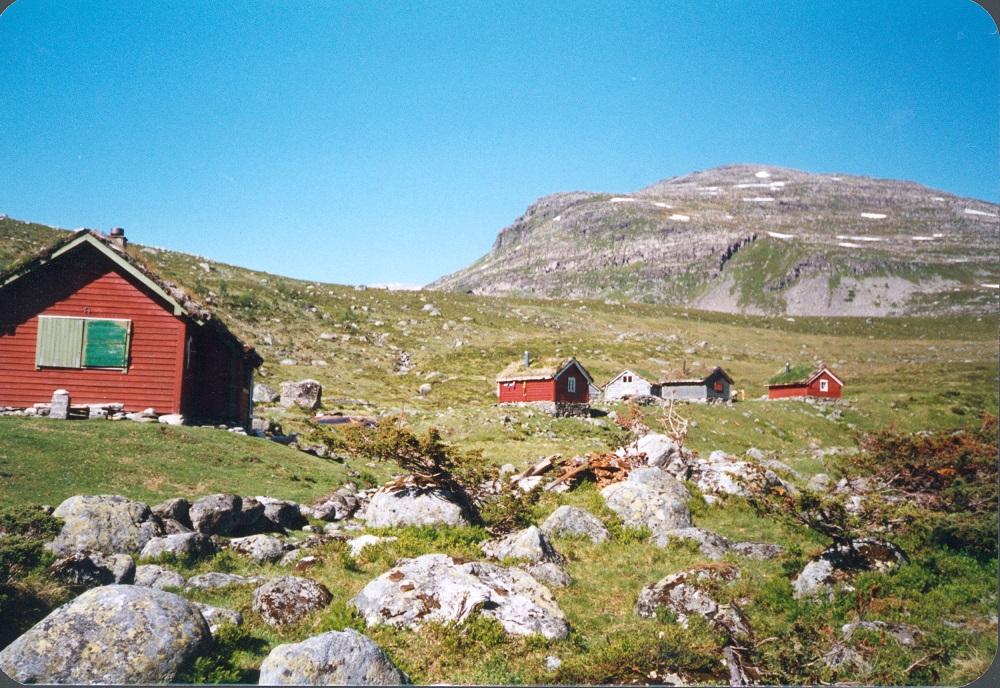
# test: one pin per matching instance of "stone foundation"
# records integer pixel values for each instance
(559, 409)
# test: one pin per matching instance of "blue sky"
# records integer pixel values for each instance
(369, 142)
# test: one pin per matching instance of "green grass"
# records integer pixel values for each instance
(46, 461)
(793, 374)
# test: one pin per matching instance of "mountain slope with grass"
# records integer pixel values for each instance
(753, 239)
(374, 349)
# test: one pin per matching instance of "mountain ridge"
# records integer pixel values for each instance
(753, 239)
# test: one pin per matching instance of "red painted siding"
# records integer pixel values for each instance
(834, 389)
(93, 288)
(582, 393)
(527, 390)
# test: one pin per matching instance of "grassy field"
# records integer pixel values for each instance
(911, 374)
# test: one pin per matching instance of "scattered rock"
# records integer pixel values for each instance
(260, 548)
(424, 389)
(171, 419)
(658, 448)
(650, 498)
(842, 561)
(289, 599)
(821, 483)
(359, 543)
(305, 393)
(571, 521)
(174, 510)
(182, 545)
(264, 394)
(281, 513)
(549, 573)
(217, 617)
(715, 546)
(337, 506)
(89, 570)
(434, 587)
(214, 580)
(411, 506)
(107, 524)
(217, 514)
(153, 576)
(902, 633)
(683, 594)
(335, 658)
(525, 545)
(118, 634)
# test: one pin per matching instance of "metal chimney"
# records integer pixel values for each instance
(788, 367)
(527, 359)
(117, 238)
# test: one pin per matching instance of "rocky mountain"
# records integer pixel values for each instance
(753, 239)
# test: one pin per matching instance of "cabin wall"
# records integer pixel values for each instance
(786, 392)
(833, 388)
(710, 388)
(87, 284)
(618, 389)
(693, 392)
(582, 393)
(216, 380)
(527, 390)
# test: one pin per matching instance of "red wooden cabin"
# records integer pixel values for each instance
(820, 383)
(87, 317)
(562, 381)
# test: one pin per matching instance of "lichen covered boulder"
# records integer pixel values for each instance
(572, 521)
(260, 548)
(411, 506)
(336, 658)
(216, 514)
(153, 576)
(528, 545)
(435, 587)
(841, 561)
(115, 634)
(288, 599)
(650, 498)
(182, 545)
(88, 570)
(684, 594)
(107, 524)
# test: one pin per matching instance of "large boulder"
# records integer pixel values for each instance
(288, 599)
(264, 394)
(658, 449)
(572, 521)
(305, 393)
(174, 510)
(260, 548)
(684, 595)
(335, 658)
(650, 498)
(434, 587)
(841, 561)
(215, 580)
(119, 634)
(217, 617)
(89, 570)
(526, 545)
(549, 573)
(217, 514)
(715, 546)
(107, 524)
(412, 506)
(281, 514)
(251, 517)
(153, 576)
(337, 506)
(722, 474)
(181, 545)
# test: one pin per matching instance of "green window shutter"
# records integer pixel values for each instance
(59, 342)
(106, 344)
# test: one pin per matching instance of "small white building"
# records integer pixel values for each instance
(628, 383)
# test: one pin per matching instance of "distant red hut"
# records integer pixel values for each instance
(561, 381)
(795, 382)
(85, 316)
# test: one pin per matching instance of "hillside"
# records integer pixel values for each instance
(753, 239)
(372, 349)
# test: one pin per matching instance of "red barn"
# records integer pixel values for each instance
(820, 383)
(87, 317)
(551, 380)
